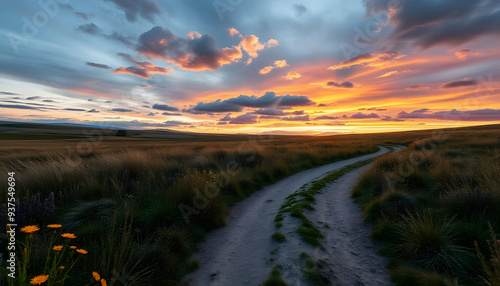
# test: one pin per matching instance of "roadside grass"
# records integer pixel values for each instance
(278, 236)
(275, 279)
(433, 204)
(146, 204)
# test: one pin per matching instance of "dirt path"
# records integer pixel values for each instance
(243, 253)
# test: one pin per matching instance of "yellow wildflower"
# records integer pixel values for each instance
(57, 247)
(96, 275)
(62, 267)
(30, 229)
(68, 235)
(54, 226)
(38, 280)
(82, 251)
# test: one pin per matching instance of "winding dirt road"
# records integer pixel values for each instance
(243, 252)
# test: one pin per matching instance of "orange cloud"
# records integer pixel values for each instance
(193, 35)
(233, 31)
(252, 46)
(277, 64)
(387, 74)
(292, 75)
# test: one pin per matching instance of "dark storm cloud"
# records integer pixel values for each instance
(140, 69)
(90, 28)
(428, 22)
(171, 114)
(101, 66)
(295, 100)
(345, 84)
(460, 83)
(165, 107)
(196, 53)
(268, 100)
(360, 115)
(147, 9)
(470, 115)
(74, 109)
(121, 110)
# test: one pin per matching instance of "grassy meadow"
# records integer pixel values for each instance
(437, 205)
(140, 204)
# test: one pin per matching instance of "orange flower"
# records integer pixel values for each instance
(82, 251)
(68, 235)
(72, 247)
(103, 282)
(96, 275)
(30, 229)
(62, 267)
(38, 280)
(54, 226)
(57, 247)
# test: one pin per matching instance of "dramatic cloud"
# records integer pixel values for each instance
(345, 84)
(121, 110)
(93, 29)
(292, 75)
(277, 64)
(360, 115)
(269, 99)
(426, 23)
(198, 53)
(171, 114)
(101, 66)
(470, 115)
(141, 69)
(147, 9)
(460, 83)
(295, 100)
(233, 32)
(164, 107)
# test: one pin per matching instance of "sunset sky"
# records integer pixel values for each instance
(240, 66)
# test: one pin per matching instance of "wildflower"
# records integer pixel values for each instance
(96, 275)
(57, 247)
(38, 280)
(68, 235)
(72, 247)
(62, 267)
(30, 229)
(54, 226)
(103, 282)
(82, 251)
